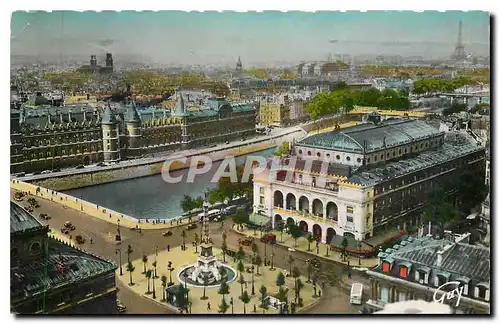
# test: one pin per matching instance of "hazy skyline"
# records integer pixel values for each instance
(211, 37)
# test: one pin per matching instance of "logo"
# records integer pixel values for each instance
(449, 295)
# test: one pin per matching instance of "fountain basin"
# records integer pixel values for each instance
(185, 276)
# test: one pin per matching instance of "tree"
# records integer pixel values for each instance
(223, 289)
(155, 264)
(258, 263)
(130, 269)
(145, 262)
(129, 252)
(255, 249)
(280, 279)
(309, 271)
(187, 204)
(298, 287)
(290, 261)
(280, 226)
(241, 218)
(241, 269)
(183, 234)
(223, 307)
(296, 276)
(310, 239)
(263, 293)
(164, 285)
(224, 246)
(245, 299)
(148, 276)
(344, 244)
(240, 255)
(294, 231)
(196, 241)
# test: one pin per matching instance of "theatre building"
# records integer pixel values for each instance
(361, 181)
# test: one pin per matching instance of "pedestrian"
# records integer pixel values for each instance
(349, 275)
(319, 293)
(348, 263)
(254, 308)
(208, 306)
(168, 248)
(91, 240)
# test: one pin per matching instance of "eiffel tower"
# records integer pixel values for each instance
(459, 53)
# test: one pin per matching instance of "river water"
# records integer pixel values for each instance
(151, 197)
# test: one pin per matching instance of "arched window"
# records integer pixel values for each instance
(318, 154)
(359, 160)
(348, 158)
(309, 153)
(338, 157)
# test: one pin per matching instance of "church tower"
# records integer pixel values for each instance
(110, 136)
(239, 66)
(133, 126)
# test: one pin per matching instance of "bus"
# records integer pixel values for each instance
(211, 214)
(356, 293)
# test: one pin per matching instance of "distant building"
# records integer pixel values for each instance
(51, 277)
(94, 68)
(50, 138)
(417, 268)
(274, 111)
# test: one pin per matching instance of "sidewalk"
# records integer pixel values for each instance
(180, 259)
(90, 209)
(302, 246)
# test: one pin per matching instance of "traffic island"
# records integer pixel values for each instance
(206, 299)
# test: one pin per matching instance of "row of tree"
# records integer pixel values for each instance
(226, 190)
(328, 103)
(440, 85)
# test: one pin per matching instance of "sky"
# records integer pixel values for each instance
(220, 37)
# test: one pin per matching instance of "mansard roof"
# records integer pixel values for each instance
(368, 137)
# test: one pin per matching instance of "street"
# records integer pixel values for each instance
(334, 300)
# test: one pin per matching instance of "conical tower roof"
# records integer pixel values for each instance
(132, 116)
(180, 107)
(108, 118)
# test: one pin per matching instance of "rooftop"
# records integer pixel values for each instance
(369, 137)
(64, 265)
(459, 260)
(21, 221)
(456, 144)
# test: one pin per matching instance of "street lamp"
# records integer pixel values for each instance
(170, 269)
(119, 252)
(253, 285)
(232, 305)
(156, 251)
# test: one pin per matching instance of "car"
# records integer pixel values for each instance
(100, 164)
(69, 226)
(46, 171)
(246, 241)
(81, 166)
(192, 226)
(56, 170)
(168, 233)
(227, 142)
(291, 249)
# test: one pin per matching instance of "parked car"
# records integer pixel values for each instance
(81, 166)
(44, 216)
(168, 233)
(120, 307)
(56, 170)
(192, 226)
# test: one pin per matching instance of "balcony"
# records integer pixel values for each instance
(290, 212)
(310, 187)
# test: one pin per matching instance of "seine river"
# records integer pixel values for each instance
(151, 197)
